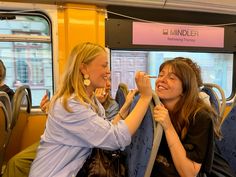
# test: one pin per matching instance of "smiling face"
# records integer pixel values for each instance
(98, 71)
(168, 86)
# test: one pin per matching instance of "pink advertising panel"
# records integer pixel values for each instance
(177, 35)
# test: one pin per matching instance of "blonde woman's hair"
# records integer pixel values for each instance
(2, 72)
(72, 82)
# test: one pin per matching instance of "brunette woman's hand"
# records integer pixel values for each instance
(161, 115)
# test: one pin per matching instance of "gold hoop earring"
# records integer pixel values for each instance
(86, 80)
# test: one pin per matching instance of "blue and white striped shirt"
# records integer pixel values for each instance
(69, 138)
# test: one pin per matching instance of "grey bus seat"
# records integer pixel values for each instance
(156, 142)
(141, 153)
(4, 98)
(218, 103)
(22, 102)
(227, 145)
(5, 123)
(20, 113)
(121, 94)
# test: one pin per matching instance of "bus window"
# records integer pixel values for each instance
(26, 50)
(215, 67)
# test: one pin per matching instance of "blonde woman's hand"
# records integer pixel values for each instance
(161, 115)
(144, 85)
(44, 104)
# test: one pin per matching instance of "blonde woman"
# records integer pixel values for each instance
(76, 120)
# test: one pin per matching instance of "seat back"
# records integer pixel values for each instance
(4, 98)
(121, 94)
(227, 145)
(157, 139)
(5, 123)
(22, 103)
(142, 151)
(21, 111)
(218, 103)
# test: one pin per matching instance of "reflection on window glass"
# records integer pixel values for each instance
(27, 62)
(27, 65)
(215, 67)
(27, 24)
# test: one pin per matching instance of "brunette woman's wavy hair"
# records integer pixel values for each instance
(195, 67)
(190, 102)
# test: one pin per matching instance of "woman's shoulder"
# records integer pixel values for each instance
(73, 104)
(201, 122)
(113, 103)
(205, 97)
(203, 117)
(77, 111)
(8, 90)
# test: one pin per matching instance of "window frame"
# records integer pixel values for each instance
(48, 12)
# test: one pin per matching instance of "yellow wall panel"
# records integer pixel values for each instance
(76, 23)
(79, 23)
(33, 130)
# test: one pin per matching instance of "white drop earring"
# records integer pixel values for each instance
(86, 80)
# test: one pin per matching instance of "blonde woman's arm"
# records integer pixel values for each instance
(134, 119)
(124, 110)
